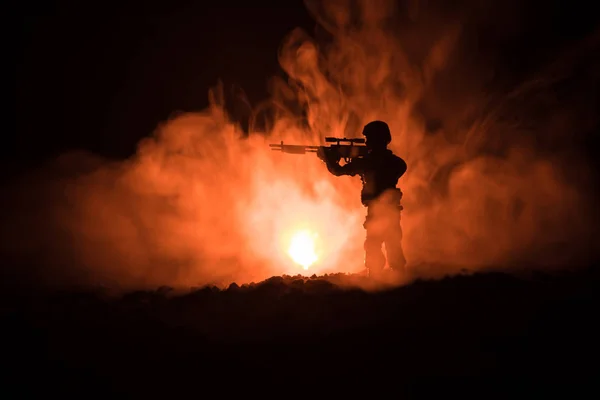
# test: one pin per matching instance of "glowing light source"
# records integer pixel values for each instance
(303, 248)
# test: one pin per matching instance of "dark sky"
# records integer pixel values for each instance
(95, 77)
(102, 79)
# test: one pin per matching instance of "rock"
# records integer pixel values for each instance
(274, 280)
(298, 282)
(163, 290)
(320, 286)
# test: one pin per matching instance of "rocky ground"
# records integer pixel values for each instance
(511, 333)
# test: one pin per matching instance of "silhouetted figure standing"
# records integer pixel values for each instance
(380, 171)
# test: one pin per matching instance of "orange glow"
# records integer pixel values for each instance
(302, 248)
(289, 210)
(201, 202)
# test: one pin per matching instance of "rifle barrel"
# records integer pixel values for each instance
(293, 148)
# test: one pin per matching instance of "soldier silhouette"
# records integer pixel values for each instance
(380, 171)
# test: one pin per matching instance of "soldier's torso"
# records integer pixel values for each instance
(380, 172)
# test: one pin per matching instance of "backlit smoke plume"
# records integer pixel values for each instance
(495, 176)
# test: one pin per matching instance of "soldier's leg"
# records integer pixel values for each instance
(374, 257)
(393, 246)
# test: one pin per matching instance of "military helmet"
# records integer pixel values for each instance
(378, 130)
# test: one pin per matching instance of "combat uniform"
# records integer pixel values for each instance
(380, 171)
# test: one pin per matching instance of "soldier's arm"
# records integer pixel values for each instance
(354, 167)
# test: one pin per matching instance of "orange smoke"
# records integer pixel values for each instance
(199, 203)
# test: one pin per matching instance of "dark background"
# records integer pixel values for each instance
(101, 78)
(97, 76)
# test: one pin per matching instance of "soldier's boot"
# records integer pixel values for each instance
(374, 258)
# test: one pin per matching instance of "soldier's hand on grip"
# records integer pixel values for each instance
(328, 155)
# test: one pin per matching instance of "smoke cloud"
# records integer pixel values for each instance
(495, 173)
